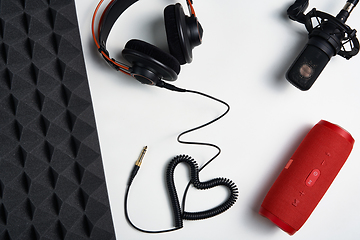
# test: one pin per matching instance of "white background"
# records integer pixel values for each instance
(247, 48)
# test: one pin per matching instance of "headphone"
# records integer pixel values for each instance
(149, 64)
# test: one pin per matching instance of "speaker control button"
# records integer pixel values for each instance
(311, 179)
(295, 202)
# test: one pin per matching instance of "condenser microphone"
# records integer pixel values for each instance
(325, 41)
(306, 177)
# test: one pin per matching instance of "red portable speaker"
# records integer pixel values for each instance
(307, 176)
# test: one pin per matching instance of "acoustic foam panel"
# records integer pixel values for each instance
(52, 183)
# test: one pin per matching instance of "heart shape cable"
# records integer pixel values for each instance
(194, 175)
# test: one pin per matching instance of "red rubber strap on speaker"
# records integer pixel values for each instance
(285, 227)
(345, 134)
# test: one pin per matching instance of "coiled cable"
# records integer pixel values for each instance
(194, 172)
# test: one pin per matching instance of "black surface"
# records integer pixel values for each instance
(52, 183)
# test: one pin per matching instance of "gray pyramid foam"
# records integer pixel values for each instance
(52, 183)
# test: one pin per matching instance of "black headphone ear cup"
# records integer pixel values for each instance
(183, 33)
(172, 34)
(150, 62)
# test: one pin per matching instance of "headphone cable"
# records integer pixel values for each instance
(231, 185)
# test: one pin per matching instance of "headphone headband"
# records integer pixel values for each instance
(113, 12)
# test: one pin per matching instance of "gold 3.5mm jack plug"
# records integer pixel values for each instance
(137, 165)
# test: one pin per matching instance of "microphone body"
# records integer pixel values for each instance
(321, 47)
(307, 176)
(325, 41)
